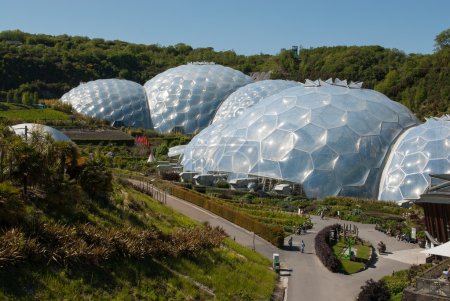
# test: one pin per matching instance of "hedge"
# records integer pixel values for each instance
(323, 249)
(273, 234)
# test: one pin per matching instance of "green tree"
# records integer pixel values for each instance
(442, 40)
(26, 99)
(9, 97)
(16, 96)
(162, 150)
(96, 179)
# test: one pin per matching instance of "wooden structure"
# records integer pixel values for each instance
(436, 205)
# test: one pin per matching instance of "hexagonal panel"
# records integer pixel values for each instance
(331, 140)
(112, 100)
(202, 86)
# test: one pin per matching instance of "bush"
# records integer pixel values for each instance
(223, 184)
(170, 176)
(12, 207)
(273, 234)
(374, 291)
(200, 188)
(96, 179)
(323, 249)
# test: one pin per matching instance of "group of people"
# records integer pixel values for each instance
(302, 245)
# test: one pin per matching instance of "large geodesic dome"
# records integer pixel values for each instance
(115, 100)
(332, 137)
(186, 97)
(250, 95)
(422, 150)
(28, 129)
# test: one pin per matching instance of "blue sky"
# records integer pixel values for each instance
(245, 26)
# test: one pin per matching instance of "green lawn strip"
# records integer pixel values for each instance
(32, 115)
(347, 266)
(231, 272)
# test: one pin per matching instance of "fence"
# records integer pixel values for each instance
(273, 234)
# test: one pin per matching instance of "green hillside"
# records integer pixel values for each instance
(52, 65)
(69, 230)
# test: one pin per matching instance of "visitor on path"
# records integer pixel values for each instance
(302, 246)
(290, 242)
(321, 214)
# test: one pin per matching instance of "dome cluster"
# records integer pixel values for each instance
(333, 137)
(420, 151)
(328, 136)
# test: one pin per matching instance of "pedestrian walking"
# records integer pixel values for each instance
(302, 246)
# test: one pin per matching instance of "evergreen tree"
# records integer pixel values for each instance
(16, 96)
(9, 97)
(26, 98)
(35, 97)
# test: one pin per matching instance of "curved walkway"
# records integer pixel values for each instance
(308, 279)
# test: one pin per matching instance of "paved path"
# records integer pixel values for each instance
(309, 279)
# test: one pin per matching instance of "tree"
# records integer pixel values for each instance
(26, 98)
(374, 291)
(442, 40)
(35, 97)
(16, 96)
(162, 150)
(9, 97)
(96, 179)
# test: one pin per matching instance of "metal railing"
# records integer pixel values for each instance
(435, 287)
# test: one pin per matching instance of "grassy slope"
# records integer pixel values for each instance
(229, 271)
(25, 113)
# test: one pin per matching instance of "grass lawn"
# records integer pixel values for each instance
(363, 252)
(31, 115)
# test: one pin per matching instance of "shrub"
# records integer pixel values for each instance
(323, 249)
(96, 179)
(12, 208)
(223, 184)
(170, 176)
(374, 291)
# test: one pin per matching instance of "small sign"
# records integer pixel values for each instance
(413, 233)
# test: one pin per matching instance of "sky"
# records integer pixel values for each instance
(245, 26)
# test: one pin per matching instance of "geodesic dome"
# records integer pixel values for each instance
(330, 136)
(29, 128)
(422, 150)
(186, 97)
(250, 95)
(115, 100)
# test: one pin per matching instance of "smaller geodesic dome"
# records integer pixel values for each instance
(330, 136)
(250, 95)
(185, 98)
(419, 152)
(115, 100)
(29, 128)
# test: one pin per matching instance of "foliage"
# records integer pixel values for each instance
(95, 178)
(51, 65)
(400, 280)
(68, 244)
(170, 176)
(12, 207)
(324, 250)
(374, 291)
(362, 250)
(273, 234)
(161, 150)
(89, 245)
